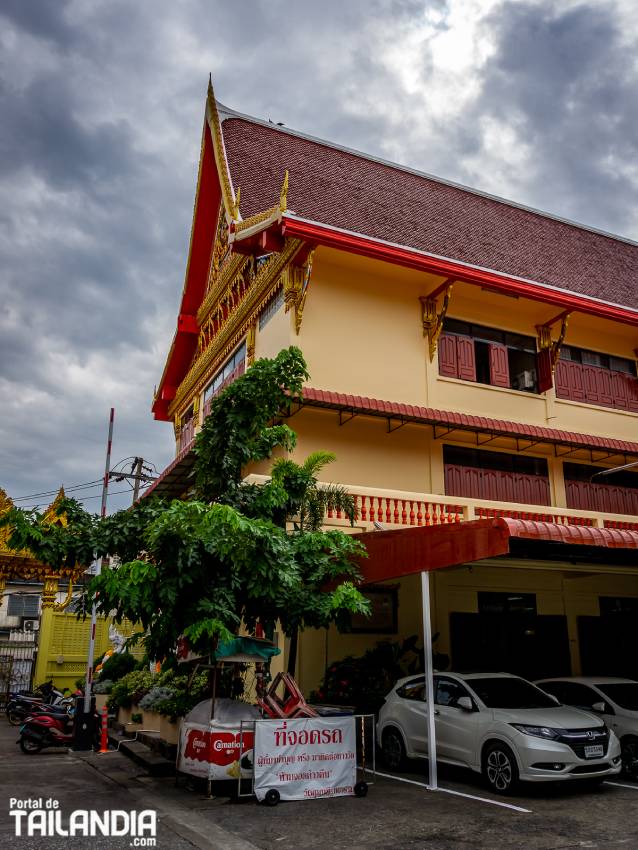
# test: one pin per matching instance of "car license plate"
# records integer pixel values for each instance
(594, 752)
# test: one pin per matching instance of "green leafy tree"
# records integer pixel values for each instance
(202, 567)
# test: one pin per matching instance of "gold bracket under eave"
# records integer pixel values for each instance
(432, 318)
(545, 340)
(296, 280)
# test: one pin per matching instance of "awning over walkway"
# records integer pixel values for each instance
(404, 551)
(176, 478)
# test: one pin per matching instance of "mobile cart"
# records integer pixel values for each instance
(208, 745)
(307, 758)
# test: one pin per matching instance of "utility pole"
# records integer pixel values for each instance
(84, 726)
(137, 475)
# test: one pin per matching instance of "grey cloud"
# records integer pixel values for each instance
(102, 106)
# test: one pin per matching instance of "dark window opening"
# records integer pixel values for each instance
(506, 603)
(618, 605)
(488, 356)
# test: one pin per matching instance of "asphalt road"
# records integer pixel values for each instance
(395, 815)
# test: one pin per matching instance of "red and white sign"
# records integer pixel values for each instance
(305, 758)
(215, 752)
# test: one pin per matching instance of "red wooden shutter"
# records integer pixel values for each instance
(603, 385)
(619, 390)
(499, 365)
(465, 358)
(632, 392)
(575, 382)
(562, 379)
(544, 370)
(448, 364)
(590, 383)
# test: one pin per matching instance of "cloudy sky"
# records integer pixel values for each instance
(101, 110)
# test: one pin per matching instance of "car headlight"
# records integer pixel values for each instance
(538, 731)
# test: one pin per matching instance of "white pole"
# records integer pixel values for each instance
(429, 678)
(96, 571)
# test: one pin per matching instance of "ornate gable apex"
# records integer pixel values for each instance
(215, 191)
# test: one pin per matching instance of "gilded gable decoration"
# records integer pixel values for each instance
(432, 317)
(250, 343)
(230, 200)
(231, 314)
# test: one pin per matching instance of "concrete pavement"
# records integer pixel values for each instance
(396, 815)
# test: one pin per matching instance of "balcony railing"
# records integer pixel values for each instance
(400, 509)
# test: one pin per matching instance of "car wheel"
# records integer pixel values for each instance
(499, 768)
(393, 750)
(629, 755)
(30, 747)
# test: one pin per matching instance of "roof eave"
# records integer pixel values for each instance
(369, 246)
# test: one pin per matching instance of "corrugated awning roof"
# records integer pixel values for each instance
(463, 421)
(404, 551)
(175, 479)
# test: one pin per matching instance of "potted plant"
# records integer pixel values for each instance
(102, 689)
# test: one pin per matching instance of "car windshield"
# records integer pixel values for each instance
(624, 694)
(506, 692)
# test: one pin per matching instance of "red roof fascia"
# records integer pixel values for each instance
(405, 551)
(462, 421)
(356, 243)
(203, 234)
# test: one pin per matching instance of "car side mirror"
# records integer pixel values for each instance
(599, 707)
(465, 703)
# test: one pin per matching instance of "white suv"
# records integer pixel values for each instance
(499, 725)
(615, 700)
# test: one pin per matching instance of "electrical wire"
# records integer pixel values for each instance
(86, 498)
(86, 486)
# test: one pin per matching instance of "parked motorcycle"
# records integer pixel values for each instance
(52, 729)
(21, 705)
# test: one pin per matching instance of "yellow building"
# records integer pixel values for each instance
(470, 359)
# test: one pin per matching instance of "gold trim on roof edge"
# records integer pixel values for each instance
(267, 277)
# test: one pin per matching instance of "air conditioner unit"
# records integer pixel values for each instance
(526, 380)
(31, 625)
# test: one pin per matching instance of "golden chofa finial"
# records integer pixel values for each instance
(283, 195)
(210, 84)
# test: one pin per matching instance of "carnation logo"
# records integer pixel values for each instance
(39, 817)
(221, 748)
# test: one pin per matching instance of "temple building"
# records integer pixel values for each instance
(473, 367)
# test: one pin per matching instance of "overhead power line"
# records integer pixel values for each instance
(46, 493)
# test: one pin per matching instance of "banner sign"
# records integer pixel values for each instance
(306, 757)
(213, 752)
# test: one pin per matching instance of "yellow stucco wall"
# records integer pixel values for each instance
(568, 592)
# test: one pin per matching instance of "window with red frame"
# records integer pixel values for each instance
(488, 356)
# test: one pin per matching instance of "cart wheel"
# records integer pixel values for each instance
(361, 789)
(272, 797)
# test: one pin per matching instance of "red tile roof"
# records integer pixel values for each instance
(383, 201)
(463, 421)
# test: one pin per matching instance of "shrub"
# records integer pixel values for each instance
(104, 686)
(154, 696)
(130, 689)
(364, 682)
(117, 665)
(136, 718)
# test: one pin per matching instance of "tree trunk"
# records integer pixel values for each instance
(292, 655)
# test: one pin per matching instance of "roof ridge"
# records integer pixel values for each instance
(226, 112)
